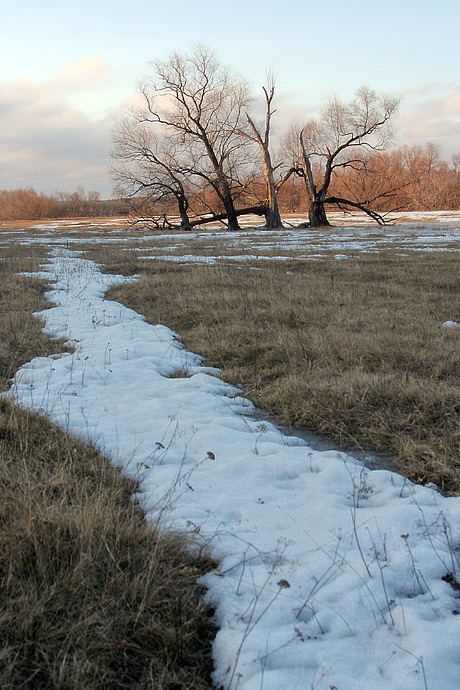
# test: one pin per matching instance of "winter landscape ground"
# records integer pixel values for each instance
(330, 574)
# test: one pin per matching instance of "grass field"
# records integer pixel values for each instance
(91, 596)
(352, 349)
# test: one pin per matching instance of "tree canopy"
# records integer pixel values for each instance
(194, 150)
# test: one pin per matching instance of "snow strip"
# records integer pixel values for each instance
(330, 574)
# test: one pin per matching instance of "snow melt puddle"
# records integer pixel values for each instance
(330, 574)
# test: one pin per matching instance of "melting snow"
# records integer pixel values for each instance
(330, 574)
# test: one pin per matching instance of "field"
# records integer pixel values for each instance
(339, 333)
(92, 596)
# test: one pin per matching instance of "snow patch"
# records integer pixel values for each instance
(330, 574)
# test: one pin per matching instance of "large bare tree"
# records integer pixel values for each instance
(201, 107)
(341, 137)
(194, 129)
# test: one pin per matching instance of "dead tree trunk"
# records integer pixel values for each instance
(272, 214)
(251, 210)
(182, 204)
(317, 213)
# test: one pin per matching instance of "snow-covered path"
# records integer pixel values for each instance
(330, 574)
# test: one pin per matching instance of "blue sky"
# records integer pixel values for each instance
(69, 68)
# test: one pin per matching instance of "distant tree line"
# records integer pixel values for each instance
(27, 204)
(411, 178)
(194, 152)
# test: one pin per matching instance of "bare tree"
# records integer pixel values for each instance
(339, 139)
(195, 130)
(262, 140)
(427, 175)
(456, 163)
(149, 167)
(201, 107)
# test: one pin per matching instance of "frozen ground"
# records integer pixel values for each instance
(352, 234)
(330, 576)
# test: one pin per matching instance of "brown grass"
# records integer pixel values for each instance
(91, 595)
(22, 337)
(353, 350)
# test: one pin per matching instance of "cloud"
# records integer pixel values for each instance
(452, 105)
(49, 143)
(430, 89)
(431, 114)
(83, 75)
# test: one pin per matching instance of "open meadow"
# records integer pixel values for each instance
(314, 351)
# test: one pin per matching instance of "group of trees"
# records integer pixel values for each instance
(411, 178)
(194, 151)
(26, 203)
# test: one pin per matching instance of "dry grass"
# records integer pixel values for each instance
(22, 337)
(353, 350)
(91, 595)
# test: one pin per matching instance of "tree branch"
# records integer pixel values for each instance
(338, 201)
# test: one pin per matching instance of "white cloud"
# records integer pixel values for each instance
(83, 75)
(452, 105)
(430, 89)
(49, 143)
(431, 113)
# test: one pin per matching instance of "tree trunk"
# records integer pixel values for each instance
(184, 219)
(272, 217)
(317, 213)
(250, 210)
(222, 188)
(232, 218)
(225, 194)
(272, 214)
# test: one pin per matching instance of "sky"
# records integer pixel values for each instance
(70, 69)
